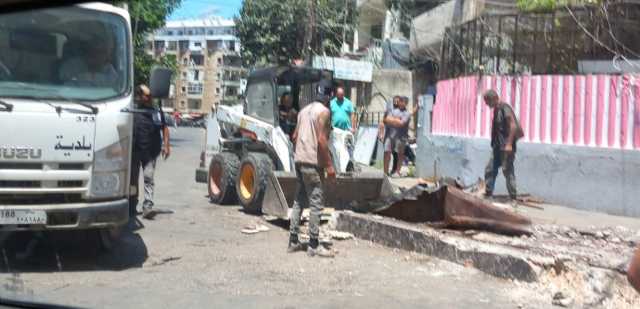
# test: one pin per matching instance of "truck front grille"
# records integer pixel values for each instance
(20, 166)
(71, 166)
(70, 183)
(20, 184)
(35, 199)
(43, 183)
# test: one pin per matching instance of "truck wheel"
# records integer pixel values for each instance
(223, 171)
(108, 237)
(252, 181)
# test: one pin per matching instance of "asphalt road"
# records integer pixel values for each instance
(197, 257)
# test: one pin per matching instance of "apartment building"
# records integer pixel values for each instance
(209, 66)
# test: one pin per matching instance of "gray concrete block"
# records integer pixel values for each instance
(495, 260)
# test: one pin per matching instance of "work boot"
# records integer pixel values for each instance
(320, 251)
(295, 247)
(294, 244)
(148, 212)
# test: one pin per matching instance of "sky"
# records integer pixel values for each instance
(191, 9)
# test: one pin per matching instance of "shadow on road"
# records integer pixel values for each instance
(69, 251)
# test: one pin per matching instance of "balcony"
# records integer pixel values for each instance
(194, 90)
(230, 83)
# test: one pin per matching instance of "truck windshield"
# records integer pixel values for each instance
(70, 52)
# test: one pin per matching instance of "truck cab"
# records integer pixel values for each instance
(66, 79)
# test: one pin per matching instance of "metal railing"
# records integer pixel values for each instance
(541, 43)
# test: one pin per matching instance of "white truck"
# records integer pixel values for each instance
(66, 91)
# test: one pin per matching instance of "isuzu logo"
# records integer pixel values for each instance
(22, 153)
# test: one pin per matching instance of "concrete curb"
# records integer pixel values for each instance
(493, 259)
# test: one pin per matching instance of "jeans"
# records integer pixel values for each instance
(499, 159)
(309, 193)
(148, 169)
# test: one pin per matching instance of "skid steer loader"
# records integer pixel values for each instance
(252, 162)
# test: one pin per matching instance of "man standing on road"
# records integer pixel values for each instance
(397, 134)
(343, 115)
(312, 160)
(149, 122)
(504, 134)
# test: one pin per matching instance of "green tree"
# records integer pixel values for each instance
(543, 6)
(273, 31)
(147, 16)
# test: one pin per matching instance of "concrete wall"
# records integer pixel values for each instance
(390, 83)
(429, 29)
(597, 179)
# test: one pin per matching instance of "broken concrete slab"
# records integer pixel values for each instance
(496, 260)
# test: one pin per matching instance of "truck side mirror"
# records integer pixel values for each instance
(160, 82)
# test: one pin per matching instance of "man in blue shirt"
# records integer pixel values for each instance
(343, 115)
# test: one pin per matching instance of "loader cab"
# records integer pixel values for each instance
(266, 87)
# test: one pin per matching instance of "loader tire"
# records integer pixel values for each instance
(223, 172)
(252, 181)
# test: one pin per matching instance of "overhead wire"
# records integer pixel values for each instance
(595, 39)
(606, 15)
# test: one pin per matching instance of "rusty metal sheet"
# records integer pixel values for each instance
(453, 207)
(464, 210)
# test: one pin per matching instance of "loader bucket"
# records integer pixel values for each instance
(352, 191)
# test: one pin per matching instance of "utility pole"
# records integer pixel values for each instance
(344, 24)
(310, 31)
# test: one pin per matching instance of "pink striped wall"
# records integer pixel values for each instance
(585, 110)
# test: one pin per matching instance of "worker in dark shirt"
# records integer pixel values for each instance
(150, 139)
(505, 132)
(288, 114)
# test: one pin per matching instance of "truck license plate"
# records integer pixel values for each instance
(22, 216)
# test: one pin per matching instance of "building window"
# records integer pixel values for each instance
(219, 60)
(184, 89)
(195, 88)
(196, 75)
(184, 75)
(197, 59)
(190, 32)
(183, 44)
(194, 103)
(210, 32)
(217, 90)
(197, 44)
(180, 32)
(219, 75)
(172, 45)
(185, 61)
(182, 104)
(231, 91)
(169, 32)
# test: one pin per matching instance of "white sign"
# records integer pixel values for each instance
(608, 66)
(22, 216)
(344, 68)
(366, 140)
